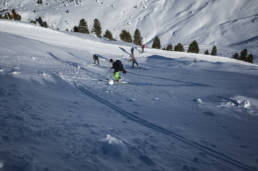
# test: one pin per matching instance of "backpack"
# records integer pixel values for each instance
(120, 65)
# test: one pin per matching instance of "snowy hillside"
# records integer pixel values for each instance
(178, 111)
(229, 24)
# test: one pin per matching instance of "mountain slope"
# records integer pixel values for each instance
(227, 24)
(57, 111)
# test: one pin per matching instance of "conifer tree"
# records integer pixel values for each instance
(236, 56)
(137, 38)
(179, 48)
(83, 27)
(15, 15)
(193, 47)
(41, 22)
(108, 35)
(156, 43)
(97, 28)
(214, 51)
(126, 36)
(206, 52)
(40, 1)
(75, 29)
(169, 47)
(250, 58)
(243, 54)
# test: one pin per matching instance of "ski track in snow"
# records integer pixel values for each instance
(218, 155)
(101, 77)
(211, 152)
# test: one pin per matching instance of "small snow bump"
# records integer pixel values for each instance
(131, 99)
(199, 100)
(45, 74)
(111, 82)
(15, 73)
(237, 101)
(157, 99)
(1, 164)
(112, 140)
(33, 58)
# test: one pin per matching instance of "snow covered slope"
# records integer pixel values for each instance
(229, 24)
(178, 111)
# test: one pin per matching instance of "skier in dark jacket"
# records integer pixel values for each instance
(96, 59)
(132, 51)
(117, 66)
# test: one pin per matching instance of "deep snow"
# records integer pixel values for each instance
(178, 111)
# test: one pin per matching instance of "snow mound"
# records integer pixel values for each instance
(113, 147)
(242, 103)
(112, 140)
(198, 100)
(110, 82)
(237, 101)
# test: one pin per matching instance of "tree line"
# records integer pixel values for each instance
(13, 15)
(137, 40)
(126, 36)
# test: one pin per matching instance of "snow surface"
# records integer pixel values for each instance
(231, 25)
(178, 111)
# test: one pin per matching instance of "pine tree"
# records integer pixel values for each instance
(126, 36)
(243, 54)
(179, 48)
(193, 47)
(214, 51)
(169, 47)
(97, 28)
(108, 35)
(137, 38)
(250, 58)
(16, 16)
(42, 23)
(40, 1)
(156, 43)
(83, 27)
(123, 35)
(75, 29)
(236, 56)
(206, 52)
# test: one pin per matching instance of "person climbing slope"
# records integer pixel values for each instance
(117, 66)
(133, 60)
(143, 46)
(132, 50)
